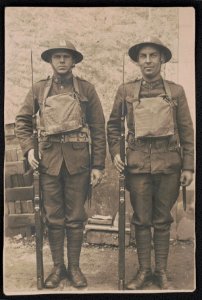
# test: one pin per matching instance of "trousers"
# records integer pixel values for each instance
(152, 197)
(64, 197)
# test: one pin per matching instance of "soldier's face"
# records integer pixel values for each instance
(62, 62)
(149, 61)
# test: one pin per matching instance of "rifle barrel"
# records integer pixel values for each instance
(37, 199)
(122, 196)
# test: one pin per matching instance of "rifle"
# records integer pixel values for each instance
(122, 195)
(184, 197)
(184, 190)
(37, 199)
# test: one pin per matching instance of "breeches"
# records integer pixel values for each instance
(64, 198)
(152, 197)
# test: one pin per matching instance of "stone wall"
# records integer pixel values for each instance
(103, 35)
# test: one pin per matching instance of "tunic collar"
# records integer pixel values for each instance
(151, 85)
(62, 80)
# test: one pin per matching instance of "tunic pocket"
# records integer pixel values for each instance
(135, 159)
(173, 160)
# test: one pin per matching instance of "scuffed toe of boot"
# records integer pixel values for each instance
(57, 274)
(161, 280)
(141, 280)
(76, 277)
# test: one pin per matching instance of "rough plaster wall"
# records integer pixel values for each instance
(103, 35)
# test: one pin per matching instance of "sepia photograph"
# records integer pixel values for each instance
(99, 164)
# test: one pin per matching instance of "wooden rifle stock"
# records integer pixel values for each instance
(184, 190)
(37, 200)
(122, 196)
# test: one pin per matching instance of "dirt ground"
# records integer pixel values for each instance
(99, 263)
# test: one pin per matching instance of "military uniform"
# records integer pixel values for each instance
(153, 168)
(154, 156)
(65, 162)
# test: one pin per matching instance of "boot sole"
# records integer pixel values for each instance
(75, 285)
(156, 282)
(146, 284)
(54, 287)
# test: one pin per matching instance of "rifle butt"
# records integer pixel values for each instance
(39, 251)
(184, 198)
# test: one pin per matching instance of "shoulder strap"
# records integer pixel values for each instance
(137, 87)
(47, 88)
(167, 89)
(75, 84)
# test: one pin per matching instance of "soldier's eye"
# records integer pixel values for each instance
(56, 56)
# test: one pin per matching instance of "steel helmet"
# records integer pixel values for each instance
(62, 45)
(134, 50)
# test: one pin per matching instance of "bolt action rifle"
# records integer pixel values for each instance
(121, 222)
(37, 198)
(184, 190)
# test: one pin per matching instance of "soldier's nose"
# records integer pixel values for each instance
(62, 59)
(148, 59)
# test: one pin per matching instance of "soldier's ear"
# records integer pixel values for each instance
(73, 62)
(137, 62)
(50, 59)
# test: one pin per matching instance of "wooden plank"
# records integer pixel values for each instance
(11, 207)
(24, 206)
(10, 132)
(15, 167)
(99, 221)
(20, 179)
(30, 206)
(11, 142)
(104, 237)
(103, 228)
(15, 221)
(19, 193)
(8, 155)
(18, 209)
(14, 180)
(28, 178)
(8, 183)
(20, 155)
(23, 231)
(14, 156)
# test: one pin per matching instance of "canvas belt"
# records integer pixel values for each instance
(80, 137)
(165, 141)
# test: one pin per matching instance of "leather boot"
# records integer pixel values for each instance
(74, 243)
(161, 249)
(144, 274)
(57, 274)
(56, 242)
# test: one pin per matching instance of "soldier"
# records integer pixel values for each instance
(69, 109)
(159, 126)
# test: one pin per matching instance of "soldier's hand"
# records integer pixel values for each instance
(96, 177)
(186, 177)
(119, 164)
(32, 160)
